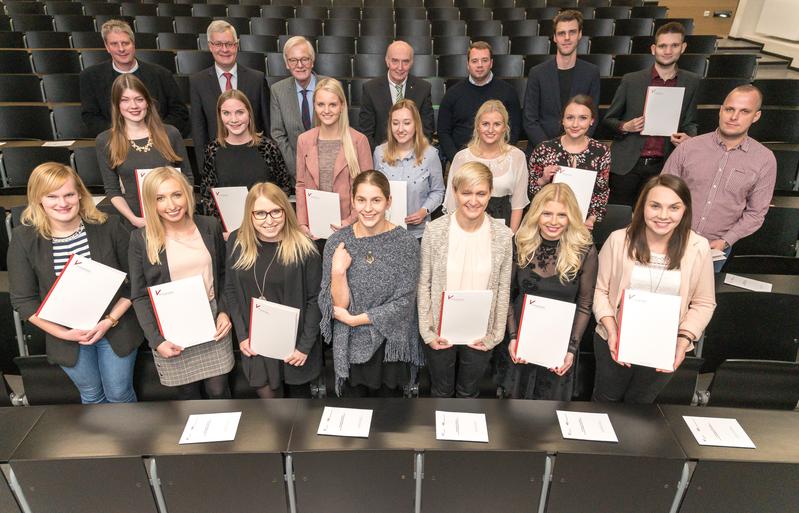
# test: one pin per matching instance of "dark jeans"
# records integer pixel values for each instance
(615, 383)
(624, 189)
(456, 371)
(216, 387)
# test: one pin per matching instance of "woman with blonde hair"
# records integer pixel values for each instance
(555, 259)
(61, 221)
(137, 139)
(331, 154)
(270, 257)
(176, 244)
(489, 146)
(407, 156)
(239, 156)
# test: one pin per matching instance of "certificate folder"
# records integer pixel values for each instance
(464, 315)
(662, 110)
(81, 293)
(183, 312)
(230, 203)
(273, 328)
(324, 209)
(544, 330)
(581, 182)
(648, 326)
(399, 203)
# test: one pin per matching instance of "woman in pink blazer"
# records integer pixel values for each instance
(330, 155)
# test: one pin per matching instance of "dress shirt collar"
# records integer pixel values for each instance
(393, 85)
(743, 145)
(233, 71)
(311, 85)
(655, 74)
(490, 78)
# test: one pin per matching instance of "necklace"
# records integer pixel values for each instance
(263, 280)
(652, 286)
(370, 258)
(142, 149)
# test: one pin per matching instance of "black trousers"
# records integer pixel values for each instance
(614, 383)
(624, 189)
(456, 371)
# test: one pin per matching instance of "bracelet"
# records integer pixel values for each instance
(114, 322)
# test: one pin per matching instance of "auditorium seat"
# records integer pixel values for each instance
(25, 122)
(209, 10)
(607, 88)
(18, 163)
(267, 26)
(687, 23)
(275, 65)
(732, 65)
(171, 41)
(55, 61)
(505, 14)
(90, 58)
(511, 66)
(244, 11)
(68, 123)
(26, 7)
(479, 28)
(253, 60)
(475, 14)
(451, 45)
(304, 27)
(650, 11)
(452, 66)
(422, 45)
(603, 61)
(520, 86)
(62, 7)
(172, 10)
(437, 89)
(44, 382)
(695, 63)
(258, 43)
(643, 44)
(500, 45)
(344, 12)
(615, 12)
(335, 65)
(777, 236)
(154, 24)
(424, 65)
(356, 90)
(455, 28)
(20, 88)
(29, 22)
(11, 40)
(376, 45)
(546, 28)
(413, 27)
(526, 45)
(95, 8)
(563, 4)
(520, 28)
(354, 114)
(634, 62)
(681, 389)
(280, 12)
(541, 13)
(138, 9)
(310, 12)
(192, 61)
(84, 161)
(342, 27)
(145, 41)
(634, 27)
(191, 24)
(532, 60)
(616, 217)
(73, 22)
(613, 45)
(761, 384)
(779, 91)
(378, 27)
(762, 264)
(369, 65)
(712, 91)
(701, 44)
(443, 13)
(87, 39)
(787, 168)
(61, 87)
(165, 59)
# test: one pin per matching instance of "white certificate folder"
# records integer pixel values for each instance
(183, 312)
(81, 293)
(230, 203)
(662, 110)
(581, 182)
(324, 209)
(648, 326)
(273, 328)
(544, 330)
(464, 315)
(399, 203)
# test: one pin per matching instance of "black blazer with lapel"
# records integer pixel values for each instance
(628, 103)
(205, 92)
(143, 274)
(31, 275)
(376, 102)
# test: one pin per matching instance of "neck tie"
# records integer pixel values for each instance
(398, 88)
(306, 110)
(229, 83)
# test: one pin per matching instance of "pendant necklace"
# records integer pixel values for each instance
(652, 286)
(142, 149)
(263, 280)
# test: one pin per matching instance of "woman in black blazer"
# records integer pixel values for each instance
(60, 220)
(175, 244)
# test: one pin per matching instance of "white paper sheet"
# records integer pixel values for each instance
(97, 199)
(648, 325)
(399, 203)
(577, 425)
(662, 110)
(183, 312)
(461, 427)
(717, 255)
(273, 328)
(324, 209)
(544, 330)
(581, 182)
(230, 202)
(747, 283)
(95, 285)
(718, 432)
(352, 422)
(57, 144)
(464, 315)
(211, 427)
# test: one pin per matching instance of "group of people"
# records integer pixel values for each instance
(373, 290)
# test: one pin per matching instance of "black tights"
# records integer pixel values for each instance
(216, 387)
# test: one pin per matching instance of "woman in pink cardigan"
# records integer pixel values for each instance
(330, 155)
(657, 253)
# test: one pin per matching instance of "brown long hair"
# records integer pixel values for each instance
(637, 247)
(118, 143)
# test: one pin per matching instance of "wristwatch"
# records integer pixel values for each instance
(114, 322)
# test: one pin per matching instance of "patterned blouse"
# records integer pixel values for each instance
(596, 157)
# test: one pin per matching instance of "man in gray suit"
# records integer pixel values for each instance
(636, 158)
(208, 84)
(292, 99)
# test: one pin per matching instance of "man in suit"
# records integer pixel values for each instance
(225, 74)
(292, 99)
(379, 94)
(95, 82)
(551, 84)
(636, 158)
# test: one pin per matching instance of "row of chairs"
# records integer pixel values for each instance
(33, 7)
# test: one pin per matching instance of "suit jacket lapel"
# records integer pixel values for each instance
(312, 160)
(214, 83)
(556, 82)
(46, 260)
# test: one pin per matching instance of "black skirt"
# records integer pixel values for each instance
(375, 373)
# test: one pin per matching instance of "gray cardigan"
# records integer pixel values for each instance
(433, 278)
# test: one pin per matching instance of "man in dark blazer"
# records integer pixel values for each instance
(208, 84)
(96, 81)
(551, 84)
(634, 157)
(380, 93)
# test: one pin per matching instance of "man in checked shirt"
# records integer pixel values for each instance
(731, 176)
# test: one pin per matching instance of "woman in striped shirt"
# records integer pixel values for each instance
(59, 221)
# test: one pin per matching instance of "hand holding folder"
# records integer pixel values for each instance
(183, 312)
(464, 316)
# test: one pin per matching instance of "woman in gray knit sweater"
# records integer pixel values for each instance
(368, 296)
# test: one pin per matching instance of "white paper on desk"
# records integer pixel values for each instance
(211, 427)
(273, 328)
(56, 144)
(352, 422)
(581, 182)
(717, 255)
(97, 199)
(324, 209)
(93, 283)
(183, 312)
(399, 203)
(662, 110)
(464, 315)
(648, 326)
(461, 427)
(718, 432)
(747, 283)
(230, 203)
(544, 330)
(577, 425)
(140, 175)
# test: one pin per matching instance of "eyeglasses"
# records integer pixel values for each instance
(293, 62)
(221, 44)
(261, 215)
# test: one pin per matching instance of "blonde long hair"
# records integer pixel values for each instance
(49, 177)
(420, 142)
(221, 131)
(333, 86)
(486, 108)
(294, 245)
(153, 225)
(576, 238)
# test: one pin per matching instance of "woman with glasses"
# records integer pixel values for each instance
(271, 258)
